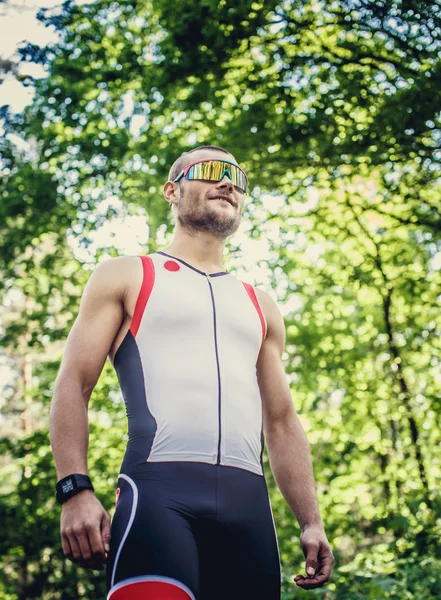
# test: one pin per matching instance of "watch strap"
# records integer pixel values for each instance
(71, 485)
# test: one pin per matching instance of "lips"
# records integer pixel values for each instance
(227, 198)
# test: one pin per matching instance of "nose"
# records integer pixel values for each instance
(225, 182)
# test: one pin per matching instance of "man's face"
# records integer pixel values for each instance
(200, 209)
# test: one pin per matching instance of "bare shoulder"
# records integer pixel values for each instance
(265, 300)
(273, 316)
(118, 264)
(115, 275)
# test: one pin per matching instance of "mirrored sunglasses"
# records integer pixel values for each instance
(215, 170)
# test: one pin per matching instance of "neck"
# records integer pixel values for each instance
(202, 251)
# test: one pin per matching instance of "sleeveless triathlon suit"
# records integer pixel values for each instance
(193, 519)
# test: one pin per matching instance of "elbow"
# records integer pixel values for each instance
(281, 423)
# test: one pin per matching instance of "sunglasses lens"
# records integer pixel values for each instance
(214, 170)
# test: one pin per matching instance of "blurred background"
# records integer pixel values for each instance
(333, 109)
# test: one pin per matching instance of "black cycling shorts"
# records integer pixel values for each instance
(192, 531)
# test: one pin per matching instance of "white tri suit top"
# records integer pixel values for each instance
(187, 367)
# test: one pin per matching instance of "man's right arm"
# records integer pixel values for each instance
(85, 525)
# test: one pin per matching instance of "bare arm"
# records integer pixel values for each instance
(288, 449)
(85, 526)
(99, 318)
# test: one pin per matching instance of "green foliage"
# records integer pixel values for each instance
(332, 108)
(32, 558)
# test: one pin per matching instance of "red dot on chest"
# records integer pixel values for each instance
(171, 265)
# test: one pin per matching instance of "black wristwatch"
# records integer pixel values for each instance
(71, 485)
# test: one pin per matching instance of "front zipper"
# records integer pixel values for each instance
(218, 370)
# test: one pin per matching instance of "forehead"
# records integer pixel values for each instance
(207, 154)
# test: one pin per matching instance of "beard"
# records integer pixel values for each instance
(202, 216)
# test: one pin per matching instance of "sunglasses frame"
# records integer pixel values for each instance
(184, 172)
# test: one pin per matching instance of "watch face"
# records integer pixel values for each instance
(71, 485)
(67, 486)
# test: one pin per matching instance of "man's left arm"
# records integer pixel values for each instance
(289, 451)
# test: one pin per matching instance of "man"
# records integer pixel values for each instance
(198, 357)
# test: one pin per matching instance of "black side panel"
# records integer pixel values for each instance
(142, 425)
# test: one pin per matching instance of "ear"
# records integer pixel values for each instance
(170, 191)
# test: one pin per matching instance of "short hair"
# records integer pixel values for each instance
(177, 166)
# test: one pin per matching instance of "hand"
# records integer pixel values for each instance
(319, 558)
(85, 530)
